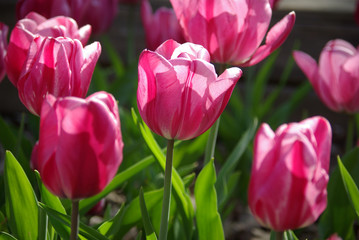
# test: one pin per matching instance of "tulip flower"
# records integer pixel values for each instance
(179, 94)
(57, 66)
(35, 25)
(287, 188)
(80, 144)
(232, 31)
(132, 2)
(99, 14)
(3, 47)
(336, 78)
(160, 26)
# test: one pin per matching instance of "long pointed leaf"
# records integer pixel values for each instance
(150, 233)
(20, 200)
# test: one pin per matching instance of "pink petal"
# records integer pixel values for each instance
(275, 37)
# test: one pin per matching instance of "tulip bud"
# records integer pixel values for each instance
(289, 177)
(3, 48)
(160, 26)
(57, 66)
(232, 31)
(179, 94)
(35, 25)
(80, 144)
(336, 79)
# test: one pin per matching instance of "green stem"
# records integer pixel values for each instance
(20, 134)
(279, 235)
(74, 220)
(43, 224)
(211, 142)
(350, 133)
(212, 138)
(167, 191)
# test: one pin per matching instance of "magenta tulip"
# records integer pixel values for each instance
(179, 95)
(336, 79)
(160, 26)
(80, 144)
(98, 13)
(57, 66)
(287, 188)
(232, 31)
(3, 48)
(35, 25)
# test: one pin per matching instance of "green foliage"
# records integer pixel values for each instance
(339, 215)
(150, 233)
(20, 200)
(209, 222)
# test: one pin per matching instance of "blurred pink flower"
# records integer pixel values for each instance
(35, 25)
(134, 2)
(334, 237)
(179, 94)
(98, 13)
(160, 26)
(80, 144)
(287, 188)
(3, 48)
(232, 31)
(336, 78)
(58, 66)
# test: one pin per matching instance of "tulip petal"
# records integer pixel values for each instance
(275, 38)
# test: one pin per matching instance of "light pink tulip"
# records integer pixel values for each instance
(80, 144)
(336, 78)
(287, 188)
(98, 13)
(3, 48)
(179, 94)
(35, 25)
(160, 26)
(57, 66)
(232, 30)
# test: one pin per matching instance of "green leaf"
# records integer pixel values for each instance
(88, 203)
(185, 205)
(339, 215)
(209, 222)
(150, 233)
(62, 223)
(20, 200)
(6, 236)
(350, 186)
(112, 226)
(232, 161)
(289, 235)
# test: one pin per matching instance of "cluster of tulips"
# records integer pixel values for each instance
(180, 96)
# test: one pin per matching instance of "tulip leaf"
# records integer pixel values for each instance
(62, 223)
(350, 186)
(6, 236)
(113, 225)
(185, 205)
(20, 200)
(150, 233)
(232, 161)
(209, 222)
(339, 215)
(87, 204)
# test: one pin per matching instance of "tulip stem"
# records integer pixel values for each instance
(279, 235)
(167, 191)
(211, 142)
(350, 133)
(75, 220)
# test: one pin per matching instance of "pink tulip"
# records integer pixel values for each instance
(334, 237)
(287, 189)
(179, 95)
(57, 66)
(35, 25)
(336, 79)
(98, 13)
(232, 31)
(3, 48)
(160, 26)
(273, 3)
(80, 144)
